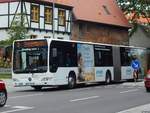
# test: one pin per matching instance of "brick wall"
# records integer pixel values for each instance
(92, 32)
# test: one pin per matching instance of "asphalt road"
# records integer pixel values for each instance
(90, 99)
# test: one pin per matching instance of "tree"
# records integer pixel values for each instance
(17, 29)
(135, 9)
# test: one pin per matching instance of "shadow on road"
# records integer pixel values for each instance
(62, 88)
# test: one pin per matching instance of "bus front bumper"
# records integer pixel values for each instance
(33, 82)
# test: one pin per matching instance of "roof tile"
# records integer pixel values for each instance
(95, 11)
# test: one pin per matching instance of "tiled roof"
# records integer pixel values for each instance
(140, 20)
(3, 1)
(98, 11)
(62, 2)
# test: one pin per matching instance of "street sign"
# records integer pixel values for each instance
(135, 64)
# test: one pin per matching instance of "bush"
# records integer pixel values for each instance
(5, 63)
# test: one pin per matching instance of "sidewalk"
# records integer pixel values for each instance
(140, 83)
(138, 109)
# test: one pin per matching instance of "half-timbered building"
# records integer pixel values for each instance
(43, 18)
(84, 20)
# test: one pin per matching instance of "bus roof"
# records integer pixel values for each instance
(104, 44)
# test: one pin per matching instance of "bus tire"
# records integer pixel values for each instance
(37, 88)
(3, 98)
(108, 77)
(71, 81)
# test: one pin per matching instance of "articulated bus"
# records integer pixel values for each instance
(49, 62)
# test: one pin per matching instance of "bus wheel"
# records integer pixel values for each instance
(3, 98)
(108, 78)
(71, 82)
(37, 88)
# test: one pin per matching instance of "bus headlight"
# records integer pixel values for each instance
(46, 79)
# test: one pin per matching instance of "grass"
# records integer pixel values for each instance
(5, 76)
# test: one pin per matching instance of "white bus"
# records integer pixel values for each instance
(48, 62)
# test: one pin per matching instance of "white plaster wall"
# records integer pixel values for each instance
(43, 34)
(27, 21)
(3, 8)
(56, 13)
(61, 28)
(48, 27)
(67, 14)
(69, 26)
(3, 21)
(4, 17)
(13, 7)
(41, 23)
(34, 25)
(42, 10)
(27, 7)
(3, 35)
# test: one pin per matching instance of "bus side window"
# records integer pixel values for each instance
(68, 60)
(53, 60)
(125, 56)
(54, 52)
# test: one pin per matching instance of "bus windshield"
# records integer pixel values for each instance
(30, 56)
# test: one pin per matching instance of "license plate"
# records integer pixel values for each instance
(29, 84)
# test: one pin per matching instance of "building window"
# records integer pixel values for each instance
(106, 10)
(35, 13)
(48, 14)
(47, 37)
(60, 38)
(61, 17)
(33, 36)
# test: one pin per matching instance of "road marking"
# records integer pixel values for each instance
(82, 99)
(18, 108)
(129, 91)
(23, 96)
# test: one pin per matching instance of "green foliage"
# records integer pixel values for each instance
(139, 8)
(136, 9)
(18, 30)
(5, 76)
(5, 63)
(5, 42)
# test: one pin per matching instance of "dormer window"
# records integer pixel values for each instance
(106, 10)
(35, 13)
(61, 17)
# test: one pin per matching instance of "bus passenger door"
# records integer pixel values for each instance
(117, 63)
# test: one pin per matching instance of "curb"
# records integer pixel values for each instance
(138, 109)
(139, 83)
